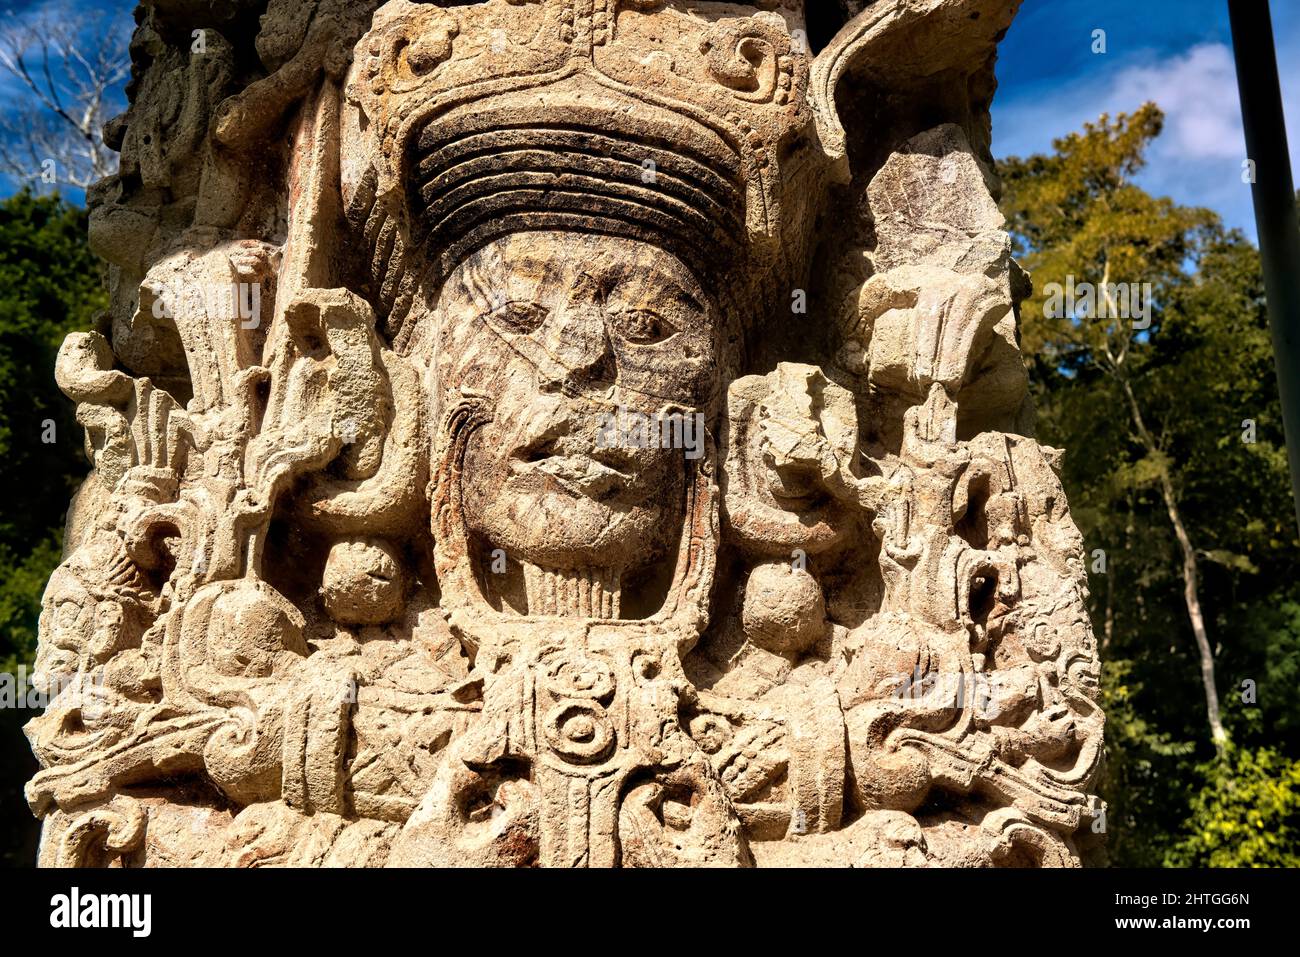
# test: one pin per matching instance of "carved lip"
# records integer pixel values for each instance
(580, 474)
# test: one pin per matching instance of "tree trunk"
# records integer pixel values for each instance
(1109, 628)
(1191, 574)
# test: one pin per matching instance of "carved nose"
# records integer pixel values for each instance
(579, 344)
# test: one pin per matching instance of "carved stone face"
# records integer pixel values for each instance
(570, 336)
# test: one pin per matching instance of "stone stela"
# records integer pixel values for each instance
(367, 583)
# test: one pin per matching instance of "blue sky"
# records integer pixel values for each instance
(1175, 52)
(89, 16)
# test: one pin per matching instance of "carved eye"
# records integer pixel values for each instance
(642, 327)
(520, 318)
(67, 614)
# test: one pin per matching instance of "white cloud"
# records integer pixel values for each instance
(1196, 89)
(1197, 159)
(1198, 92)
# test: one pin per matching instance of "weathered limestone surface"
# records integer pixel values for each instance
(564, 433)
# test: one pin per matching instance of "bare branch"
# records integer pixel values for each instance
(72, 77)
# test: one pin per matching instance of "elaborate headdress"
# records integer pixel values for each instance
(471, 123)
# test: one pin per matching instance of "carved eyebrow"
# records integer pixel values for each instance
(530, 263)
(687, 298)
(661, 286)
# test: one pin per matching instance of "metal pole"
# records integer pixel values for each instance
(1275, 206)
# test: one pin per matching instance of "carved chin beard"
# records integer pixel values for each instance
(571, 513)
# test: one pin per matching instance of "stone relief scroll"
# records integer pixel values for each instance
(562, 433)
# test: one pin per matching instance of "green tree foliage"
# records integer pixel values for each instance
(1246, 812)
(49, 286)
(1192, 516)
